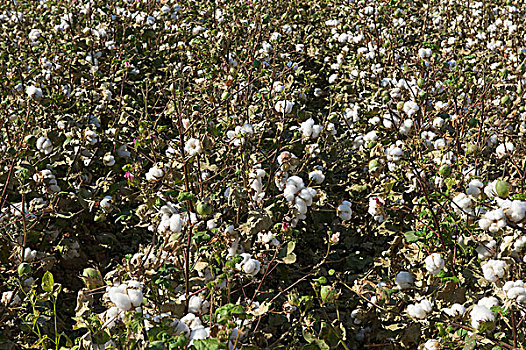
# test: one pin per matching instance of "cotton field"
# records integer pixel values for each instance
(332, 174)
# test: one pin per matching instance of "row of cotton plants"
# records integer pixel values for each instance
(243, 175)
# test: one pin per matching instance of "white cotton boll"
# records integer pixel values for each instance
(481, 314)
(333, 78)
(404, 280)
(154, 173)
(488, 302)
(486, 250)
(434, 263)
(406, 126)
(193, 147)
(284, 106)
(34, 92)
(456, 310)
(29, 255)
(432, 344)
(111, 316)
(191, 321)
(309, 130)
(300, 206)
(438, 122)
(199, 333)
(108, 159)
(416, 311)
(424, 53)
(517, 211)
(120, 298)
(316, 176)
(344, 210)
(252, 267)
(410, 108)
(474, 188)
(514, 290)
(197, 305)
(494, 270)
(135, 296)
(462, 204)
(278, 87)
(180, 328)
(426, 305)
(44, 145)
(504, 148)
(106, 202)
(370, 136)
(440, 144)
(91, 136)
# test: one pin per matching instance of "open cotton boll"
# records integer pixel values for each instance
(192, 147)
(29, 255)
(419, 310)
(456, 310)
(252, 267)
(108, 159)
(516, 211)
(434, 263)
(44, 145)
(494, 270)
(475, 188)
(191, 321)
(424, 53)
(479, 315)
(488, 302)
(344, 210)
(503, 149)
(316, 176)
(493, 220)
(180, 328)
(486, 249)
(284, 106)
(91, 137)
(432, 344)
(198, 334)
(120, 298)
(515, 290)
(410, 108)
(197, 305)
(34, 93)
(154, 174)
(309, 129)
(404, 280)
(462, 205)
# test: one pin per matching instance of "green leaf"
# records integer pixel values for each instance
(411, 236)
(208, 344)
(471, 343)
(48, 282)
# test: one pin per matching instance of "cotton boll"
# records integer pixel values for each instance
(91, 137)
(456, 310)
(44, 145)
(135, 296)
(504, 148)
(309, 129)
(34, 93)
(284, 107)
(119, 297)
(462, 205)
(494, 270)
(479, 315)
(474, 188)
(252, 267)
(316, 176)
(192, 147)
(108, 159)
(410, 108)
(404, 280)
(197, 305)
(434, 263)
(517, 211)
(419, 310)
(486, 250)
(154, 174)
(515, 290)
(199, 333)
(432, 344)
(344, 210)
(488, 302)
(406, 126)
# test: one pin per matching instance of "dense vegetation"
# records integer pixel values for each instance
(262, 174)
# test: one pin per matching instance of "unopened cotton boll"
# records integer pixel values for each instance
(284, 106)
(404, 280)
(193, 147)
(494, 270)
(434, 263)
(479, 315)
(344, 210)
(44, 145)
